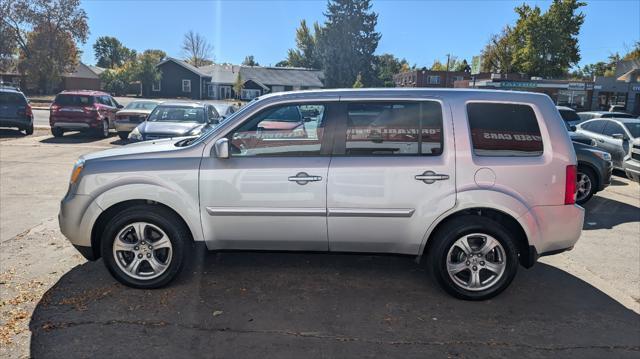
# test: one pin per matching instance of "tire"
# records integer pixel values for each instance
(103, 131)
(169, 259)
(29, 130)
(474, 230)
(57, 132)
(123, 135)
(586, 187)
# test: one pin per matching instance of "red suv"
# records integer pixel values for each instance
(82, 110)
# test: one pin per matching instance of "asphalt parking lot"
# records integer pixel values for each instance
(584, 303)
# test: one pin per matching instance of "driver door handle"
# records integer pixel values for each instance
(303, 178)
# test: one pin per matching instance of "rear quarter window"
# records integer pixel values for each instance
(504, 130)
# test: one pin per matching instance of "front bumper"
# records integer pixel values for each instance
(554, 229)
(632, 168)
(606, 176)
(76, 217)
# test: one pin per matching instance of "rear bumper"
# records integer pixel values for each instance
(16, 122)
(553, 229)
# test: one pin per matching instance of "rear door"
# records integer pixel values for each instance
(391, 175)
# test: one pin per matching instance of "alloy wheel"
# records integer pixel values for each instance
(142, 250)
(584, 186)
(476, 261)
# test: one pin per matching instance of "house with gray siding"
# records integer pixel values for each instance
(180, 79)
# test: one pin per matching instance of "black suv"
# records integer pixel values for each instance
(15, 110)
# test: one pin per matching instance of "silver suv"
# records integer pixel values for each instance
(473, 182)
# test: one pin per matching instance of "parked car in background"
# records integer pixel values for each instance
(631, 163)
(15, 110)
(617, 108)
(588, 115)
(569, 115)
(612, 135)
(83, 110)
(176, 119)
(377, 171)
(132, 115)
(594, 171)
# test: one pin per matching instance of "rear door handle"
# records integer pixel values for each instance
(430, 177)
(303, 178)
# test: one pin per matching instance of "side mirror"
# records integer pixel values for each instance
(119, 106)
(573, 128)
(618, 136)
(221, 148)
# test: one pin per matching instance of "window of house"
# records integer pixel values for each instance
(156, 86)
(394, 128)
(288, 130)
(499, 130)
(186, 85)
(434, 80)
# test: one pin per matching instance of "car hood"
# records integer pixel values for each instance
(138, 148)
(169, 128)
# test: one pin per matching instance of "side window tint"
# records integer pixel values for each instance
(290, 130)
(611, 128)
(595, 126)
(499, 130)
(394, 128)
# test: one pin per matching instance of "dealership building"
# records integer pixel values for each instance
(623, 89)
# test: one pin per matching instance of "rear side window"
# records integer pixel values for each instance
(394, 128)
(594, 126)
(499, 130)
(73, 100)
(12, 98)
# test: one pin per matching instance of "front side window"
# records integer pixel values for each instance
(289, 130)
(186, 85)
(504, 130)
(394, 128)
(612, 128)
(634, 128)
(595, 126)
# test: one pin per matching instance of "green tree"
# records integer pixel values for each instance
(111, 53)
(144, 69)
(497, 55)
(358, 83)
(238, 85)
(387, 65)
(306, 52)
(634, 54)
(115, 81)
(348, 42)
(45, 32)
(438, 66)
(250, 61)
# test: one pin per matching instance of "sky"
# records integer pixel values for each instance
(420, 31)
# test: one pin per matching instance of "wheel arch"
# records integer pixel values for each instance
(595, 172)
(503, 208)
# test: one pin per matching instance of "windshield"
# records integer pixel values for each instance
(569, 115)
(141, 105)
(634, 129)
(177, 114)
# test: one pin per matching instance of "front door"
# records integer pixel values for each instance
(271, 192)
(392, 175)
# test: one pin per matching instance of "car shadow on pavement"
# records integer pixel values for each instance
(74, 137)
(293, 305)
(599, 209)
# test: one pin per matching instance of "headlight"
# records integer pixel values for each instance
(603, 155)
(135, 135)
(77, 169)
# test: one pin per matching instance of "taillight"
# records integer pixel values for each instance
(28, 111)
(570, 184)
(54, 107)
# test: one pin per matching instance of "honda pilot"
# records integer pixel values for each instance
(473, 183)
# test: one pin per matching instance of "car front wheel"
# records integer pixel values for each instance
(145, 246)
(473, 257)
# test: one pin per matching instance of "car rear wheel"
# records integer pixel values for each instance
(29, 130)
(473, 257)
(103, 130)
(57, 132)
(145, 246)
(586, 182)
(123, 135)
